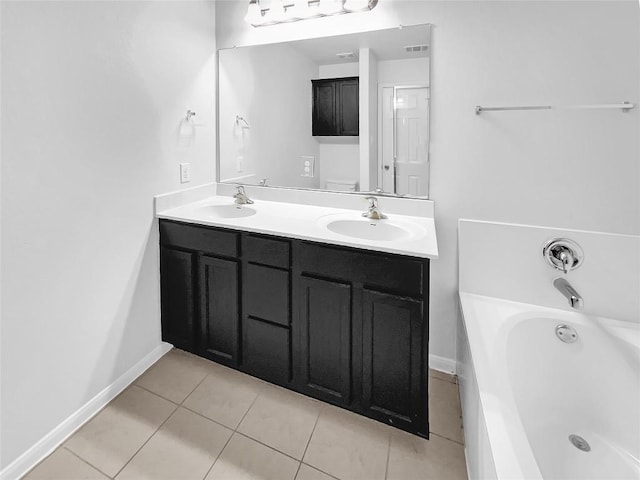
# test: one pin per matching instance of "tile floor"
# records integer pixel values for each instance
(188, 418)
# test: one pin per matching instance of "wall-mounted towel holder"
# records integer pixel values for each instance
(241, 122)
(624, 107)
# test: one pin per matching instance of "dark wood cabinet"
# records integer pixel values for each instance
(324, 324)
(343, 325)
(219, 317)
(177, 269)
(394, 381)
(336, 107)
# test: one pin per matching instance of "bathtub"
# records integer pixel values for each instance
(525, 392)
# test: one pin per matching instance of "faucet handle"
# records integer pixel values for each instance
(567, 260)
(373, 201)
(563, 254)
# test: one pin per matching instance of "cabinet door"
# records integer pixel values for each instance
(348, 113)
(394, 375)
(177, 297)
(324, 108)
(219, 312)
(325, 339)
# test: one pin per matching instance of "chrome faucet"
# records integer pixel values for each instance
(374, 211)
(565, 288)
(241, 197)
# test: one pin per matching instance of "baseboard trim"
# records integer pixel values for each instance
(442, 364)
(59, 434)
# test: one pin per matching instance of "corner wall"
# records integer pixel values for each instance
(93, 94)
(570, 169)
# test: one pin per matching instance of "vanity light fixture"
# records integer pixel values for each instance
(280, 11)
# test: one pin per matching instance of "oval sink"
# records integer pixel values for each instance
(227, 211)
(380, 230)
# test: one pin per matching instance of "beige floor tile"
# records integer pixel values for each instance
(64, 465)
(175, 375)
(348, 446)
(224, 396)
(442, 376)
(281, 419)
(185, 447)
(444, 410)
(246, 459)
(414, 458)
(309, 473)
(113, 436)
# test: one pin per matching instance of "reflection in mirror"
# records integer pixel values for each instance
(346, 113)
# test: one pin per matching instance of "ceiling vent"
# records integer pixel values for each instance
(346, 55)
(416, 48)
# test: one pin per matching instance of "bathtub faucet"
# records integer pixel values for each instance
(565, 288)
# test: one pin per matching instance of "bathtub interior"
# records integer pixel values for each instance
(589, 388)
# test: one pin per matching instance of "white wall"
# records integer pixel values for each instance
(271, 88)
(92, 98)
(572, 169)
(339, 161)
(407, 70)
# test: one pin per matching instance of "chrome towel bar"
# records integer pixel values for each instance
(624, 106)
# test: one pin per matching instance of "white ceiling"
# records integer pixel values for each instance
(385, 44)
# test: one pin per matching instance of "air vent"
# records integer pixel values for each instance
(416, 48)
(346, 55)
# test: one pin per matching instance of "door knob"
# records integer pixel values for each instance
(386, 167)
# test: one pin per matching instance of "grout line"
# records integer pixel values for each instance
(194, 388)
(82, 459)
(386, 466)
(268, 446)
(158, 395)
(316, 468)
(219, 455)
(147, 441)
(312, 432)
(245, 413)
(446, 438)
(207, 418)
(309, 441)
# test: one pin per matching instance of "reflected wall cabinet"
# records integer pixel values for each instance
(336, 107)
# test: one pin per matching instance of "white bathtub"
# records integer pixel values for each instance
(524, 392)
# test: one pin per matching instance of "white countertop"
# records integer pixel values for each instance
(308, 222)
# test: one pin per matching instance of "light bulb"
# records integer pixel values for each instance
(276, 12)
(330, 7)
(301, 9)
(356, 5)
(254, 15)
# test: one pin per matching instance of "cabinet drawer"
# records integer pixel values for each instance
(266, 293)
(202, 239)
(266, 250)
(266, 350)
(401, 275)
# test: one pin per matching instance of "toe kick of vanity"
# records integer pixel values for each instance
(340, 324)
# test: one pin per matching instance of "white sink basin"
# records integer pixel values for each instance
(368, 229)
(226, 211)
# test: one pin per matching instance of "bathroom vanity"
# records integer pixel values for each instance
(345, 325)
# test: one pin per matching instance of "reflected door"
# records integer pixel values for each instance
(405, 139)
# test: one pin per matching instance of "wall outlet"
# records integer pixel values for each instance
(308, 165)
(185, 172)
(239, 163)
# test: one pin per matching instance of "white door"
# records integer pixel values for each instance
(411, 149)
(404, 147)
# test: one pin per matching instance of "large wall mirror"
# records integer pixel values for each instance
(346, 113)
